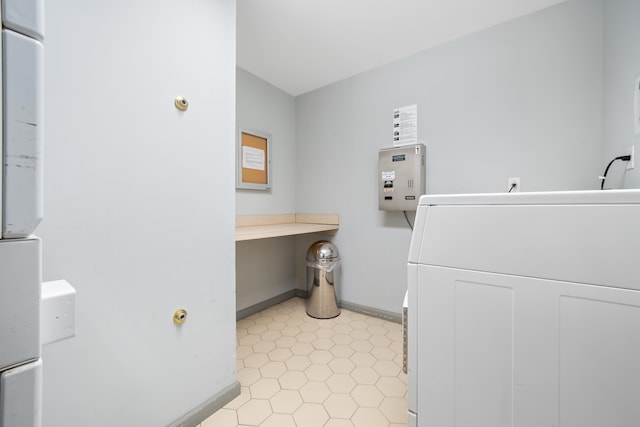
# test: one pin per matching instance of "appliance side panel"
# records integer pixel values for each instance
(412, 337)
(483, 338)
(598, 358)
(434, 335)
(500, 350)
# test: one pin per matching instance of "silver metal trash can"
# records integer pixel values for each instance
(322, 259)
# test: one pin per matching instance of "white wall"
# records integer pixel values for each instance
(266, 268)
(621, 67)
(520, 99)
(265, 108)
(139, 207)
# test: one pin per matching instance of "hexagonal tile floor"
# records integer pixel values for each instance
(304, 372)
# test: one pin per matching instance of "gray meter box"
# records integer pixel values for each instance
(401, 176)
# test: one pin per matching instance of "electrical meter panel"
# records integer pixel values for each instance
(401, 176)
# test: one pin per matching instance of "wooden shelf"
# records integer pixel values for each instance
(267, 226)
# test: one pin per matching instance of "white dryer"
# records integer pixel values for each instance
(524, 310)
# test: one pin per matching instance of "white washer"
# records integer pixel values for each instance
(524, 310)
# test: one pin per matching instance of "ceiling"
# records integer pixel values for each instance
(301, 45)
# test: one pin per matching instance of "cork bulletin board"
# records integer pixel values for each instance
(254, 160)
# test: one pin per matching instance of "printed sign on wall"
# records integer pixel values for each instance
(405, 125)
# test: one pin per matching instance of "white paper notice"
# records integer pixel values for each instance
(252, 158)
(388, 175)
(405, 125)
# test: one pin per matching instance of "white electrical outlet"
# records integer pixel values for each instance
(631, 163)
(513, 184)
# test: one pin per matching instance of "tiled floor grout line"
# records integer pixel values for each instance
(297, 371)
